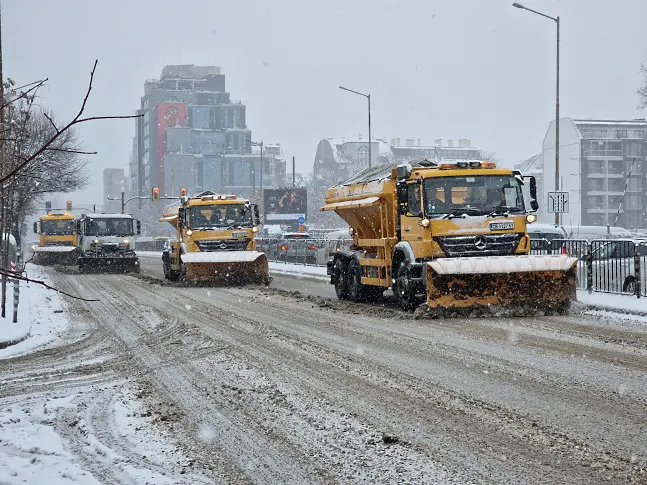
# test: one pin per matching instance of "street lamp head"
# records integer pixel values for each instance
(518, 5)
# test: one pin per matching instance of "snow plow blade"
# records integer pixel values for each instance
(227, 267)
(52, 255)
(505, 281)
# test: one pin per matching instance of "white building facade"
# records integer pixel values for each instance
(602, 167)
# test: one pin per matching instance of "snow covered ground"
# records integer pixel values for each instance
(311, 272)
(627, 303)
(55, 440)
(41, 317)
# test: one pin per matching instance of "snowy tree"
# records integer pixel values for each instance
(642, 90)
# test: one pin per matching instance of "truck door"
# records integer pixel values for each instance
(411, 230)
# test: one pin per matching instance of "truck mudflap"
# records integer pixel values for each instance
(508, 281)
(227, 267)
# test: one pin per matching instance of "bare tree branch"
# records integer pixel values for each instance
(11, 274)
(76, 120)
(24, 94)
(68, 150)
(51, 121)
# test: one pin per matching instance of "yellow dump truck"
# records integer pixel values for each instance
(453, 232)
(57, 239)
(215, 241)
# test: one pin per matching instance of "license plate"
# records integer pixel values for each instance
(501, 226)
(238, 234)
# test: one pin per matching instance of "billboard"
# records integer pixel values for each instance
(285, 204)
(168, 114)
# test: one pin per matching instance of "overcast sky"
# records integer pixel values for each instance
(450, 69)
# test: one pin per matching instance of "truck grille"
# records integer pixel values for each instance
(59, 243)
(479, 245)
(209, 245)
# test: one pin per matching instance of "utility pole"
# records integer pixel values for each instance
(294, 175)
(123, 203)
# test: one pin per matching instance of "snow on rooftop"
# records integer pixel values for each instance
(635, 122)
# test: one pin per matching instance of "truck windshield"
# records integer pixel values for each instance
(57, 228)
(220, 216)
(109, 227)
(477, 195)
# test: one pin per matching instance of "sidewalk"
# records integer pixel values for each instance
(40, 316)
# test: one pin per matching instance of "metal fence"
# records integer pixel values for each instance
(608, 266)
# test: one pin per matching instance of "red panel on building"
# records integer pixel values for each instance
(168, 114)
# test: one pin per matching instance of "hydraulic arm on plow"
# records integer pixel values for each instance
(451, 233)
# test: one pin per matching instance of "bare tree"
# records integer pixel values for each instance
(642, 90)
(38, 156)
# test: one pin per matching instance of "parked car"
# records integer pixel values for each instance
(541, 235)
(298, 247)
(613, 265)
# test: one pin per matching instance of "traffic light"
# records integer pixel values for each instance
(48, 206)
(68, 205)
(156, 194)
(182, 192)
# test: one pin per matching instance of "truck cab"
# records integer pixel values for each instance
(105, 241)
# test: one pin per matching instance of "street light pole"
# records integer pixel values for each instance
(370, 139)
(556, 20)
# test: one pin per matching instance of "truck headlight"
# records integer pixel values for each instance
(530, 218)
(254, 229)
(126, 242)
(96, 241)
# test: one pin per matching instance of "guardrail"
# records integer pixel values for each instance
(604, 265)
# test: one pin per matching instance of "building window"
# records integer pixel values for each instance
(595, 202)
(615, 201)
(603, 149)
(146, 144)
(362, 156)
(596, 167)
(633, 149)
(633, 202)
(146, 129)
(616, 166)
(616, 185)
(200, 118)
(621, 133)
(633, 220)
(593, 133)
(146, 116)
(639, 133)
(595, 185)
(635, 184)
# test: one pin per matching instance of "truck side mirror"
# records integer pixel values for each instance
(35, 227)
(257, 215)
(181, 217)
(534, 205)
(403, 198)
(139, 227)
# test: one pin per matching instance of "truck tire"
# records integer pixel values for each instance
(403, 289)
(341, 286)
(356, 290)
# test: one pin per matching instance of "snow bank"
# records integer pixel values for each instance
(311, 272)
(40, 316)
(623, 303)
(149, 254)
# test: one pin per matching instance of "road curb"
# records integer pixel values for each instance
(620, 311)
(8, 343)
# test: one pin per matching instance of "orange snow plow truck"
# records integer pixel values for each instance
(451, 233)
(214, 241)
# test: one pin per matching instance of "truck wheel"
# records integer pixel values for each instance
(403, 288)
(341, 288)
(356, 290)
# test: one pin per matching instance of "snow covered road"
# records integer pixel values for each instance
(266, 386)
